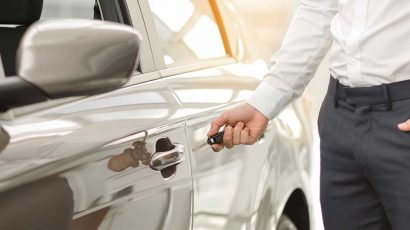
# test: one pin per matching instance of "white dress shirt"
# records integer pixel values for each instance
(369, 43)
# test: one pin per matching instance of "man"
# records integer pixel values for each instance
(365, 149)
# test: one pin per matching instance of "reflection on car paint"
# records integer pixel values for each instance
(75, 128)
(131, 187)
(131, 157)
(30, 207)
(4, 139)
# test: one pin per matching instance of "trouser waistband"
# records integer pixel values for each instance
(373, 95)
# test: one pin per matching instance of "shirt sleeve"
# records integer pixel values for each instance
(305, 44)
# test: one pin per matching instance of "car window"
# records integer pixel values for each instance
(181, 26)
(11, 34)
(108, 10)
(14, 28)
(68, 9)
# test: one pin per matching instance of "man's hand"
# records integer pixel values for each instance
(405, 126)
(243, 125)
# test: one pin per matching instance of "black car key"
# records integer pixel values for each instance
(215, 139)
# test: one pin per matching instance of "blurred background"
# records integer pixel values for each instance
(267, 22)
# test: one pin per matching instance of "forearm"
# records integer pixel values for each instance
(304, 46)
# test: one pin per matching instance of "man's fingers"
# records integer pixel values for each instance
(217, 148)
(405, 126)
(245, 137)
(216, 124)
(237, 133)
(228, 137)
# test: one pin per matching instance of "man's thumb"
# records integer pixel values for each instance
(405, 126)
(216, 124)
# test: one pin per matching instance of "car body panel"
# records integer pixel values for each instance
(76, 141)
(228, 186)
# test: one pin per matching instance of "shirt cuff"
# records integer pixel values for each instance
(268, 99)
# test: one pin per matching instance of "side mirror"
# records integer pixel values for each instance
(62, 58)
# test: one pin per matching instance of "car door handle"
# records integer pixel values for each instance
(162, 160)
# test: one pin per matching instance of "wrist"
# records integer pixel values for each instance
(258, 112)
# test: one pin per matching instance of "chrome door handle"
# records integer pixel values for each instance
(162, 160)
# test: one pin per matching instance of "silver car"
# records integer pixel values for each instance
(103, 107)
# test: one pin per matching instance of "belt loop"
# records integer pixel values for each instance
(386, 95)
(335, 96)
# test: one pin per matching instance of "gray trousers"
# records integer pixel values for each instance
(365, 158)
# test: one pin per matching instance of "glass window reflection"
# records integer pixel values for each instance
(188, 31)
(68, 9)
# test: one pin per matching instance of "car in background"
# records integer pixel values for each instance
(99, 130)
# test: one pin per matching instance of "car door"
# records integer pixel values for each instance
(118, 160)
(196, 63)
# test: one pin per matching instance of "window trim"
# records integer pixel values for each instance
(121, 12)
(153, 36)
(122, 8)
(195, 66)
(138, 78)
(138, 23)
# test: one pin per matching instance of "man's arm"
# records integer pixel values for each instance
(306, 42)
(304, 46)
